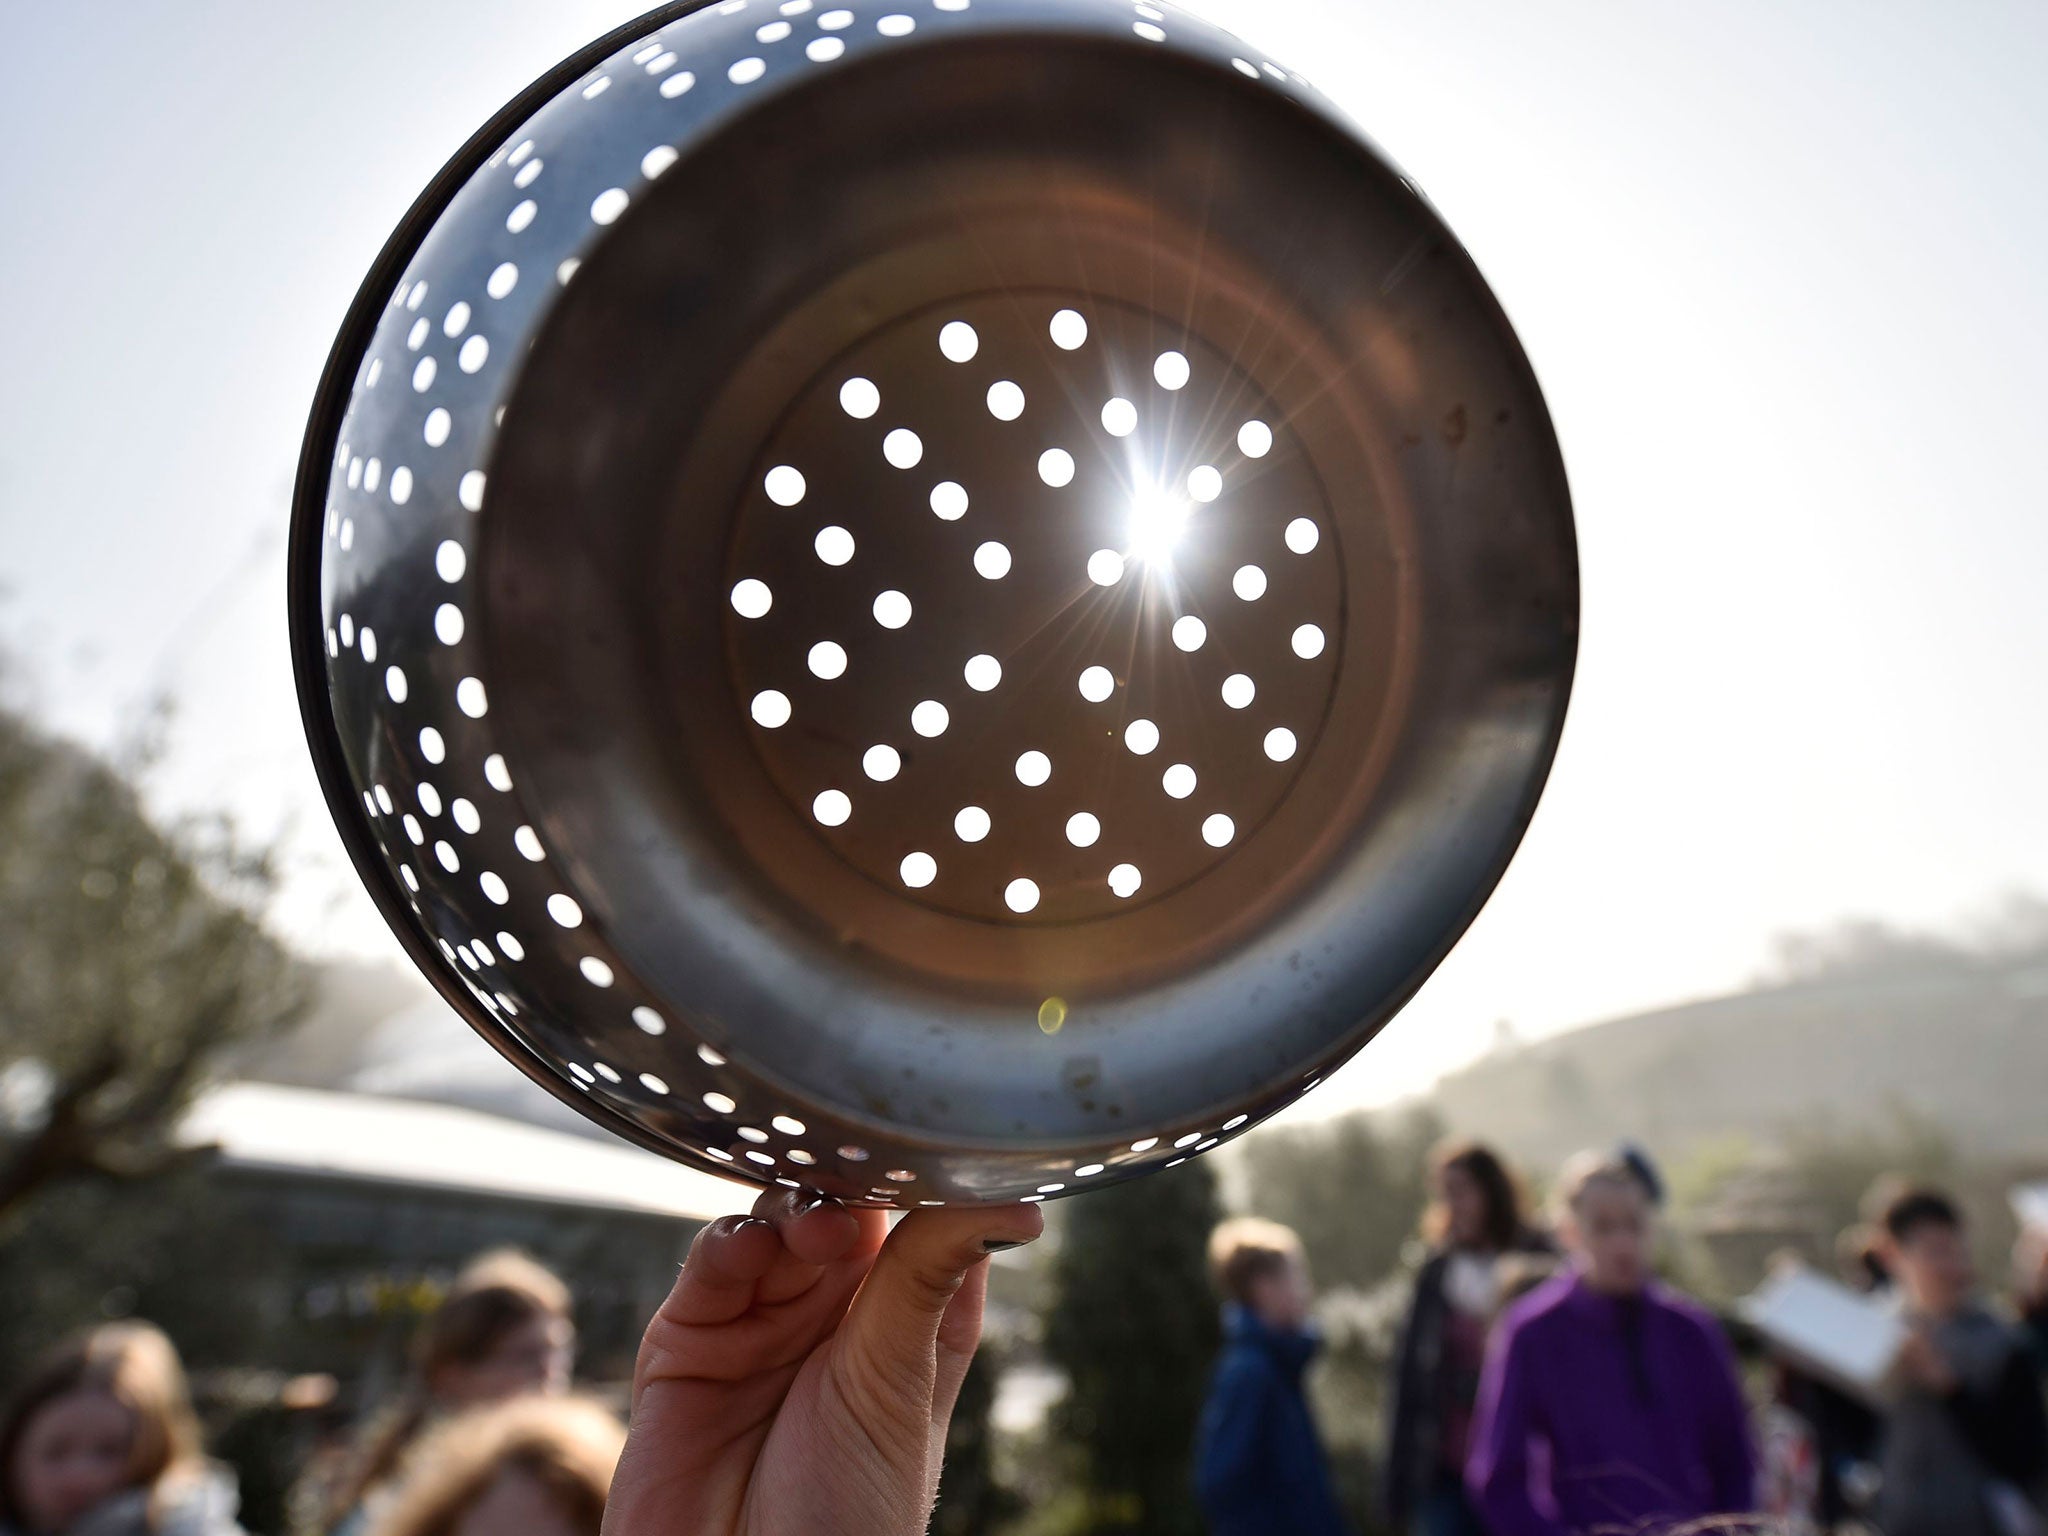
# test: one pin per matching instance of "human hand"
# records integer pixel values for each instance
(2030, 1268)
(1925, 1365)
(800, 1376)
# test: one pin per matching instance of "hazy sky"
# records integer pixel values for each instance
(1779, 266)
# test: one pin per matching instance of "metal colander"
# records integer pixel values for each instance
(944, 600)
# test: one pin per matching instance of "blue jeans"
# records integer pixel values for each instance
(1445, 1511)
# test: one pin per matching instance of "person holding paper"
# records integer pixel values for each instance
(1608, 1402)
(1965, 1449)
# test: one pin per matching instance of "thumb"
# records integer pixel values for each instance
(889, 1342)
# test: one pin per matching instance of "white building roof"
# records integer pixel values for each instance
(270, 1128)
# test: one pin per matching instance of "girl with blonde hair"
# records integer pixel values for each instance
(101, 1440)
(534, 1466)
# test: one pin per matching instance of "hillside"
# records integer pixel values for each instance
(1956, 1040)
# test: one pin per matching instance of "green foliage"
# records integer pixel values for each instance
(130, 958)
(1352, 1189)
(1135, 1327)
(971, 1501)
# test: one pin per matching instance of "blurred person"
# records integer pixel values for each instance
(534, 1466)
(2030, 1291)
(101, 1440)
(1608, 1402)
(1965, 1447)
(1845, 1430)
(503, 1331)
(1473, 1223)
(1259, 1466)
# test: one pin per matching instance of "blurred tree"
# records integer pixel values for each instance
(130, 957)
(1353, 1191)
(971, 1500)
(1134, 1325)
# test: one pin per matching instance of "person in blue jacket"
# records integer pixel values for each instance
(1259, 1468)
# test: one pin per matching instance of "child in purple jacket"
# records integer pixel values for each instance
(1608, 1402)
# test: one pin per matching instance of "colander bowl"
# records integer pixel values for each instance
(946, 600)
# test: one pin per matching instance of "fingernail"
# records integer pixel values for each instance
(998, 1244)
(811, 1202)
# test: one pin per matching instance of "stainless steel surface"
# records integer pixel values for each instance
(946, 601)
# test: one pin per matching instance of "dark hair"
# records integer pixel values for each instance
(136, 1365)
(1917, 1206)
(1502, 1227)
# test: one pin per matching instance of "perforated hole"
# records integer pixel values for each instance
(1308, 642)
(903, 448)
(1119, 418)
(1005, 400)
(971, 824)
(859, 398)
(958, 340)
(949, 501)
(1239, 691)
(1033, 769)
(1302, 536)
(1189, 632)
